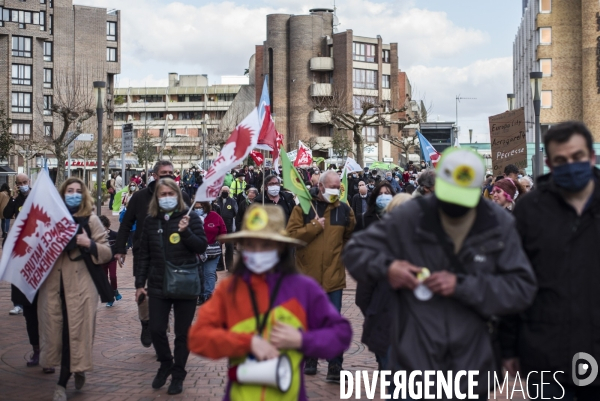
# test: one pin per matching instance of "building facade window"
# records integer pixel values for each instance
(119, 116)
(21, 102)
(51, 21)
(21, 130)
(48, 131)
(181, 98)
(545, 36)
(364, 79)
(42, 1)
(21, 46)
(385, 56)
(42, 21)
(151, 99)
(364, 52)
(48, 78)
(546, 99)
(47, 51)
(359, 101)
(21, 74)
(370, 134)
(546, 6)
(47, 105)
(21, 17)
(111, 54)
(385, 81)
(111, 31)
(546, 67)
(196, 98)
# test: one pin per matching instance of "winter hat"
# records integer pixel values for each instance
(459, 174)
(508, 187)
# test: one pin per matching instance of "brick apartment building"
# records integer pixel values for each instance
(40, 39)
(177, 115)
(562, 40)
(306, 59)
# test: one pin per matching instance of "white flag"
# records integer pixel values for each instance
(241, 141)
(39, 234)
(352, 166)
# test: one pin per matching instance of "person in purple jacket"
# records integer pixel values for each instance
(266, 310)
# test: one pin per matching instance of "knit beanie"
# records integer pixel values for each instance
(508, 186)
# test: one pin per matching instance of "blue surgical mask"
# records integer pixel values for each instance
(383, 200)
(168, 203)
(24, 188)
(200, 212)
(572, 177)
(73, 200)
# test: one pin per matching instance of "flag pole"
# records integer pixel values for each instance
(263, 184)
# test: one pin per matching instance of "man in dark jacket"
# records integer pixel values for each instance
(475, 268)
(244, 205)
(137, 210)
(229, 209)
(19, 300)
(272, 194)
(360, 200)
(558, 224)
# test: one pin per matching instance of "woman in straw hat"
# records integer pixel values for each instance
(266, 309)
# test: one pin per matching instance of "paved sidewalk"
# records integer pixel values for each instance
(124, 369)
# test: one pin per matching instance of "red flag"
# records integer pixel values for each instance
(435, 157)
(303, 158)
(275, 151)
(258, 158)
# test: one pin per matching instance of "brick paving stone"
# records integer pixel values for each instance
(124, 369)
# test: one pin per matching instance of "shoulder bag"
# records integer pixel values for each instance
(179, 282)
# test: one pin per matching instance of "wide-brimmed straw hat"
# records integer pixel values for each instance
(263, 222)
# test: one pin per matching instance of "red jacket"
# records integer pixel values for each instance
(213, 227)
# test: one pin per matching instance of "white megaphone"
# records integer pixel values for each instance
(276, 372)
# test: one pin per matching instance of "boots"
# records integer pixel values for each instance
(35, 358)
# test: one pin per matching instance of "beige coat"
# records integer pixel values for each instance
(81, 299)
(4, 198)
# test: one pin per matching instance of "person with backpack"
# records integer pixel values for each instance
(110, 187)
(455, 262)
(326, 229)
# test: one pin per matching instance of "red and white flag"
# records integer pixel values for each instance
(258, 158)
(240, 143)
(304, 155)
(40, 233)
(275, 152)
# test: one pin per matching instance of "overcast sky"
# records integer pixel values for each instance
(448, 48)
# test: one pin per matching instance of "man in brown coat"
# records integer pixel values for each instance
(325, 234)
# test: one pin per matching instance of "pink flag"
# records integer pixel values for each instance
(240, 143)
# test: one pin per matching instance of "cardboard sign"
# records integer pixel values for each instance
(509, 146)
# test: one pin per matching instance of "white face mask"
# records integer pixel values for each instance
(260, 262)
(331, 195)
(273, 190)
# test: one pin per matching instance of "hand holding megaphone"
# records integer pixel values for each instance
(262, 349)
(284, 336)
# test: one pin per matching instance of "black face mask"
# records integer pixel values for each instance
(452, 210)
(224, 195)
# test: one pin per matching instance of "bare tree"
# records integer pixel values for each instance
(6, 140)
(73, 105)
(354, 113)
(341, 144)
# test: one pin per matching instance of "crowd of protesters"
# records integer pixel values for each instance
(456, 269)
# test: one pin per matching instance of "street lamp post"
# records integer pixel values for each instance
(99, 90)
(204, 132)
(535, 79)
(510, 99)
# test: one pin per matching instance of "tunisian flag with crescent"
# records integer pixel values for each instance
(40, 233)
(240, 143)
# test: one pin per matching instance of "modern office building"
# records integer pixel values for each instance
(306, 59)
(43, 39)
(177, 116)
(562, 40)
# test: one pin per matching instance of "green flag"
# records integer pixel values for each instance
(344, 187)
(118, 199)
(293, 182)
